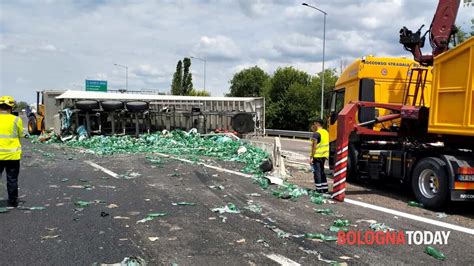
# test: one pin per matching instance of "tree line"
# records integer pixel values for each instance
(292, 97)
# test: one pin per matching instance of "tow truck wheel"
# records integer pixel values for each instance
(32, 127)
(352, 174)
(430, 183)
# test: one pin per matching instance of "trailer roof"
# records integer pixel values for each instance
(86, 95)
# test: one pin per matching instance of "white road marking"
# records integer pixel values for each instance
(103, 169)
(273, 180)
(411, 216)
(281, 259)
(277, 180)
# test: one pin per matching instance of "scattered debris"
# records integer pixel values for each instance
(152, 216)
(64, 179)
(262, 181)
(263, 242)
(229, 208)
(220, 187)
(104, 214)
(319, 256)
(367, 221)
(380, 227)
(49, 237)
(153, 238)
(320, 237)
(183, 203)
(280, 233)
(240, 241)
(254, 195)
(326, 211)
(224, 218)
(121, 217)
(341, 223)
(112, 206)
(131, 261)
(415, 204)
(111, 187)
(241, 150)
(40, 208)
(441, 215)
(82, 204)
(433, 252)
(256, 208)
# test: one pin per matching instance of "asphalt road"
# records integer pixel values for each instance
(64, 234)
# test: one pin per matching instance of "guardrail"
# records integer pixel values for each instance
(288, 133)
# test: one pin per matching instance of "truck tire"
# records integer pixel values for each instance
(32, 126)
(137, 106)
(352, 173)
(430, 183)
(87, 105)
(110, 106)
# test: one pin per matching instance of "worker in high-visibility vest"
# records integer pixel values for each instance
(319, 155)
(11, 130)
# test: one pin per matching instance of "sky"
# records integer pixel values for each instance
(57, 44)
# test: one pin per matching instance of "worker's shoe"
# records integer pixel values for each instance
(13, 203)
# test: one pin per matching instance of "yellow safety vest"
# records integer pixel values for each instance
(11, 129)
(321, 150)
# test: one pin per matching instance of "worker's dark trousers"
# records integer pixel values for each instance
(319, 175)
(12, 169)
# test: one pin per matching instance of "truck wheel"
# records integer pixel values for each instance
(137, 106)
(32, 127)
(87, 105)
(352, 174)
(110, 106)
(430, 183)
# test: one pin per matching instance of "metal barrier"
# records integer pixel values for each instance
(288, 133)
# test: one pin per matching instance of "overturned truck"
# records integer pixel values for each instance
(120, 113)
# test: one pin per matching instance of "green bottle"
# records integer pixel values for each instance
(433, 252)
(415, 204)
(341, 223)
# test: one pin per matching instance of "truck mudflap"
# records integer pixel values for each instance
(462, 195)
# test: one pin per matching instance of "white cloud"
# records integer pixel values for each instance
(57, 44)
(48, 48)
(217, 48)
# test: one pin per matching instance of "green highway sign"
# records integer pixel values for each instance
(96, 85)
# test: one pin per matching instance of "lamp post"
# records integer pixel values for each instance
(126, 75)
(204, 60)
(324, 48)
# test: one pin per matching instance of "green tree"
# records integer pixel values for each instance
(20, 106)
(187, 77)
(248, 83)
(282, 79)
(461, 35)
(292, 107)
(276, 93)
(182, 78)
(177, 79)
(199, 93)
(472, 28)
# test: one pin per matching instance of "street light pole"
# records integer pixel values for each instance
(324, 51)
(204, 60)
(126, 75)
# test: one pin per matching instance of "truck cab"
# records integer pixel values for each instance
(373, 79)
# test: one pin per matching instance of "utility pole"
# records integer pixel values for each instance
(324, 50)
